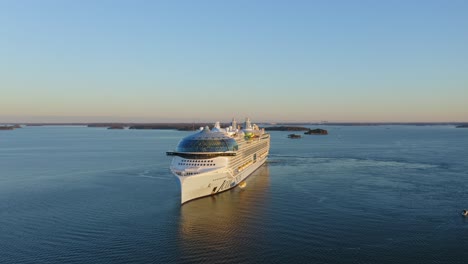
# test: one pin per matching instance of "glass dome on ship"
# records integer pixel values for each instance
(207, 141)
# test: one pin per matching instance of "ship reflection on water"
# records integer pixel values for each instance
(223, 224)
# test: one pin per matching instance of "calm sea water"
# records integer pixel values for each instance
(385, 194)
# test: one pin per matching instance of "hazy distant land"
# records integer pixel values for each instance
(9, 127)
(195, 126)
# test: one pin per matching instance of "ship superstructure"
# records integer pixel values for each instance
(218, 159)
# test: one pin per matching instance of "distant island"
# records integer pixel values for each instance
(294, 136)
(177, 126)
(369, 123)
(9, 127)
(309, 131)
(317, 131)
(286, 128)
(463, 126)
(116, 127)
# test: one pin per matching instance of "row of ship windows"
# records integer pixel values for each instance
(197, 164)
(197, 161)
(256, 148)
(187, 173)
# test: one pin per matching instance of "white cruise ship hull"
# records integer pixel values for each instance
(211, 183)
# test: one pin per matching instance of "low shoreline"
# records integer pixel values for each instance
(267, 125)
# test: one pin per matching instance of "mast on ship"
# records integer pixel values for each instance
(247, 124)
(234, 124)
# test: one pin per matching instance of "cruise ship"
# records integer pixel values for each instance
(218, 159)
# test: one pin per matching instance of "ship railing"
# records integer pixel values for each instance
(231, 173)
(201, 155)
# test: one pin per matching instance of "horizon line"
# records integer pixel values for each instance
(260, 122)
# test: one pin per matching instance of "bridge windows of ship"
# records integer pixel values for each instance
(186, 173)
(196, 164)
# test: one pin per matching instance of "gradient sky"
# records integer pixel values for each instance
(152, 61)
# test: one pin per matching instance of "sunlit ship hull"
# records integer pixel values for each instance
(211, 183)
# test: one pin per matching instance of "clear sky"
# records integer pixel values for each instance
(156, 61)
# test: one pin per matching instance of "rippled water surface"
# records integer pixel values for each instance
(384, 194)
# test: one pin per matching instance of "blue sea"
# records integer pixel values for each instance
(370, 194)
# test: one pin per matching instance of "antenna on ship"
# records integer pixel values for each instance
(247, 124)
(234, 123)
